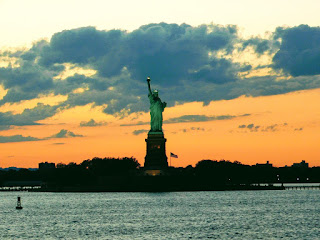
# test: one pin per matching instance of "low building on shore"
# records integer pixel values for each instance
(46, 166)
(302, 164)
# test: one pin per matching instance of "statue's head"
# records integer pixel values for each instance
(155, 93)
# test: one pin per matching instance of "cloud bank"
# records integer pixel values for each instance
(200, 118)
(27, 117)
(185, 63)
(19, 138)
(92, 123)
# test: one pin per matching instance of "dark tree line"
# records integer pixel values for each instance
(235, 172)
(126, 171)
(91, 171)
(88, 172)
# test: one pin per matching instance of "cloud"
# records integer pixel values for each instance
(168, 51)
(201, 118)
(65, 134)
(271, 128)
(58, 143)
(82, 45)
(135, 124)
(192, 129)
(27, 117)
(250, 126)
(26, 81)
(171, 52)
(185, 63)
(92, 123)
(190, 118)
(139, 131)
(17, 138)
(184, 130)
(255, 128)
(299, 53)
(261, 46)
(4, 127)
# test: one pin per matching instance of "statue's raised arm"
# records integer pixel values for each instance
(156, 109)
(149, 87)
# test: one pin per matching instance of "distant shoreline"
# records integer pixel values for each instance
(150, 188)
(162, 190)
(126, 175)
(262, 187)
(143, 188)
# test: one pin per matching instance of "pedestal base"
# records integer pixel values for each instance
(156, 158)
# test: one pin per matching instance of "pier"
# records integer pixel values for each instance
(305, 187)
(20, 188)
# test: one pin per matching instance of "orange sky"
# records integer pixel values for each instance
(87, 67)
(288, 132)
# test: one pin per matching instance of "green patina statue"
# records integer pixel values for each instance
(156, 109)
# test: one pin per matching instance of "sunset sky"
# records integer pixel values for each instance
(241, 79)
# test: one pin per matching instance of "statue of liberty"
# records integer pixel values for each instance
(156, 109)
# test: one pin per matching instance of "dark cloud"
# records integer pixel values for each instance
(27, 117)
(83, 45)
(271, 128)
(25, 82)
(92, 123)
(169, 51)
(65, 134)
(175, 52)
(185, 63)
(201, 118)
(17, 138)
(135, 124)
(255, 128)
(250, 126)
(4, 127)
(139, 131)
(34, 51)
(69, 84)
(124, 96)
(261, 45)
(254, 86)
(190, 118)
(192, 129)
(197, 129)
(41, 111)
(299, 53)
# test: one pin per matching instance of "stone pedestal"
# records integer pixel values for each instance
(156, 152)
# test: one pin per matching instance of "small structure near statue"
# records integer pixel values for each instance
(156, 160)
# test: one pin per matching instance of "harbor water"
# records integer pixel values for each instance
(287, 214)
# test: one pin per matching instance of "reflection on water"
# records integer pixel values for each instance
(175, 215)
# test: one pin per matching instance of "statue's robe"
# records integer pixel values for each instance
(156, 109)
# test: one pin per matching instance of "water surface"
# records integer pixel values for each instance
(290, 214)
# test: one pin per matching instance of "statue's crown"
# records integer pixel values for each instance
(155, 91)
